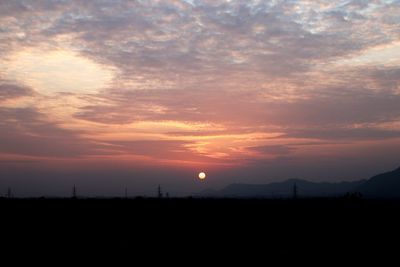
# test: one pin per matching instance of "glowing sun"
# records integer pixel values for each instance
(202, 176)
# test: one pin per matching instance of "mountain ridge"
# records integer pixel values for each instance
(384, 185)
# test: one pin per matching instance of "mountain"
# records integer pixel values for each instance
(385, 185)
(285, 189)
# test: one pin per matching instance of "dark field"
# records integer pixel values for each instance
(230, 229)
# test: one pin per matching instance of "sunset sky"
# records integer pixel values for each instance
(111, 94)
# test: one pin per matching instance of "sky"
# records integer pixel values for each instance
(111, 94)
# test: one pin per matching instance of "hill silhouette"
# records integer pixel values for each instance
(285, 189)
(385, 185)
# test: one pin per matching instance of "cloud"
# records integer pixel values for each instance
(158, 40)
(329, 107)
(169, 150)
(26, 131)
(274, 38)
(273, 149)
(337, 133)
(11, 91)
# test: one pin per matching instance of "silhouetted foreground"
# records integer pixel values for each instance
(304, 229)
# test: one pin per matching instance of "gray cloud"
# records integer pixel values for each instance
(141, 37)
(161, 149)
(8, 91)
(337, 133)
(331, 109)
(273, 149)
(26, 131)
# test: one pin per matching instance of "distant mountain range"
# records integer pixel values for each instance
(385, 185)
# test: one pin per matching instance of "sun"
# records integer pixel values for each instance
(202, 175)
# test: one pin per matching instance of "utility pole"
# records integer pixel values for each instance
(295, 191)
(74, 195)
(126, 192)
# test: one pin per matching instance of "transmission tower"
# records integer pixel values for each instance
(295, 193)
(159, 192)
(9, 193)
(74, 194)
